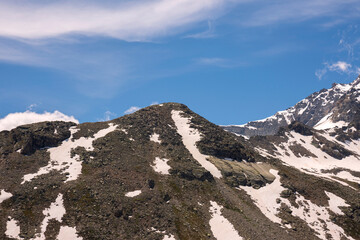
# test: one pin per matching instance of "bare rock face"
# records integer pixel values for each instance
(28, 138)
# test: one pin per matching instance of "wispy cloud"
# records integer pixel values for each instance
(127, 20)
(217, 62)
(349, 41)
(209, 33)
(132, 109)
(144, 20)
(277, 50)
(13, 120)
(320, 73)
(57, 35)
(31, 106)
(339, 66)
(98, 73)
(108, 115)
(283, 11)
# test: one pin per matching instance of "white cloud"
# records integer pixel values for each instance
(13, 120)
(132, 110)
(127, 20)
(340, 66)
(144, 20)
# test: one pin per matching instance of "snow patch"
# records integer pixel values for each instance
(133, 193)
(348, 176)
(155, 138)
(327, 123)
(265, 197)
(169, 237)
(221, 228)
(322, 161)
(67, 233)
(60, 157)
(190, 137)
(12, 229)
(55, 211)
(4, 195)
(263, 152)
(166, 236)
(335, 202)
(161, 165)
(316, 217)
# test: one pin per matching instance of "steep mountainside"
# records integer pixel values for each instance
(317, 107)
(165, 172)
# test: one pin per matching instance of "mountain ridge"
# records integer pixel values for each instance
(309, 111)
(164, 172)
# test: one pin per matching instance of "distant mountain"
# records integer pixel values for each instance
(165, 172)
(316, 109)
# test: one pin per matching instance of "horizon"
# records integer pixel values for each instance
(231, 62)
(7, 123)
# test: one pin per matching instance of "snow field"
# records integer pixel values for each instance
(316, 217)
(322, 161)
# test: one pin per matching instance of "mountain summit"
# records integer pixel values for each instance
(317, 110)
(165, 172)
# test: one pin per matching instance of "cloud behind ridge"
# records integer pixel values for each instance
(13, 120)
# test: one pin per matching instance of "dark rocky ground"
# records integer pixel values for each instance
(177, 203)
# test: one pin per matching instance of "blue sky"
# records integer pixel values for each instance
(230, 61)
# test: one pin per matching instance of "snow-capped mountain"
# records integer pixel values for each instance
(165, 172)
(320, 109)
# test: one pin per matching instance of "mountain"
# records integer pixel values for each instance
(316, 109)
(165, 172)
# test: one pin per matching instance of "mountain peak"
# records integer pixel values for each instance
(310, 111)
(164, 172)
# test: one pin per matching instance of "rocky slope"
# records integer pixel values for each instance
(165, 172)
(316, 108)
